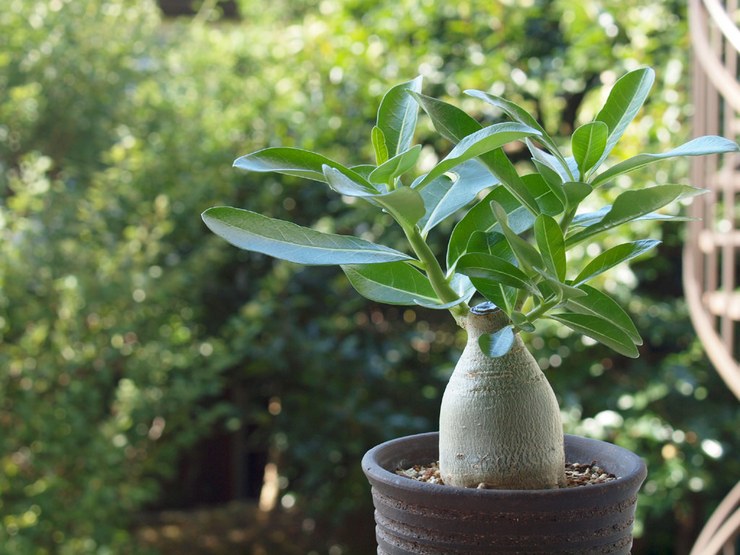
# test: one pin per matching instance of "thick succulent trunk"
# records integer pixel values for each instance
(499, 422)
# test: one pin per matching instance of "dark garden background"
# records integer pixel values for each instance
(147, 366)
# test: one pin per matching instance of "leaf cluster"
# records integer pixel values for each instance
(511, 243)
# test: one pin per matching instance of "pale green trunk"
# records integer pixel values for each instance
(499, 422)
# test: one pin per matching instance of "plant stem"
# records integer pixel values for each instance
(434, 272)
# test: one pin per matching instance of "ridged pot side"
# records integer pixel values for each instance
(420, 518)
(499, 420)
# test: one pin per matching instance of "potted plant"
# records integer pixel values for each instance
(500, 445)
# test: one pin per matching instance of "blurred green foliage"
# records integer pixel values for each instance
(124, 325)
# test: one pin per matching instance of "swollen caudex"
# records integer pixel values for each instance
(499, 422)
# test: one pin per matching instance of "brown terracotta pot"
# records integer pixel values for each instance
(432, 519)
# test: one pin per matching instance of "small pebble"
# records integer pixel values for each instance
(576, 474)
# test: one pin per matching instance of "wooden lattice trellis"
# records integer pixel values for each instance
(711, 261)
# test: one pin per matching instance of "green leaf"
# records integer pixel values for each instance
(522, 322)
(696, 147)
(501, 167)
(398, 165)
(553, 180)
(396, 283)
(497, 344)
(344, 185)
(381, 149)
(624, 101)
(566, 168)
(397, 116)
(614, 256)
(288, 241)
(293, 161)
(517, 113)
(485, 140)
(452, 191)
(526, 254)
(602, 305)
(404, 204)
(483, 269)
(480, 216)
(599, 329)
(551, 243)
(588, 143)
(450, 121)
(575, 192)
(632, 205)
(461, 285)
(553, 286)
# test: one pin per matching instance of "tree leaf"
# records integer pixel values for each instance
(501, 167)
(381, 149)
(602, 305)
(450, 121)
(599, 329)
(553, 180)
(404, 204)
(397, 116)
(612, 257)
(700, 146)
(480, 217)
(575, 192)
(631, 205)
(396, 283)
(517, 113)
(485, 140)
(551, 243)
(344, 185)
(624, 101)
(526, 254)
(481, 267)
(566, 168)
(588, 143)
(398, 165)
(452, 191)
(293, 161)
(459, 283)
(288, 241)
(497, 344)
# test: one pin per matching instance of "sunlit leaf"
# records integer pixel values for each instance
(288, 241)
(600, 330)
(397, 116)
(614, 256)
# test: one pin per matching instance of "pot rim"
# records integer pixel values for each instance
(632, 474)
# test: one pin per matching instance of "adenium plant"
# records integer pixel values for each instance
(500, 423)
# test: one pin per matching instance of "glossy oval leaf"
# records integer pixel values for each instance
(632, 205)
(588, 143)
(450, 121)
(600, 330)
(517, 113)
(497, 344)
(612, 257)
(381, 149)
(624, 101)
(396, 283)
(292, 161)
(481, 266)
(396, 166)
(288, 241)
(482, 141)
(602, 305)
(700, 146)
(526, 254)
(551, 243)
(397, 116)
(347, 186)
(450, 192)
